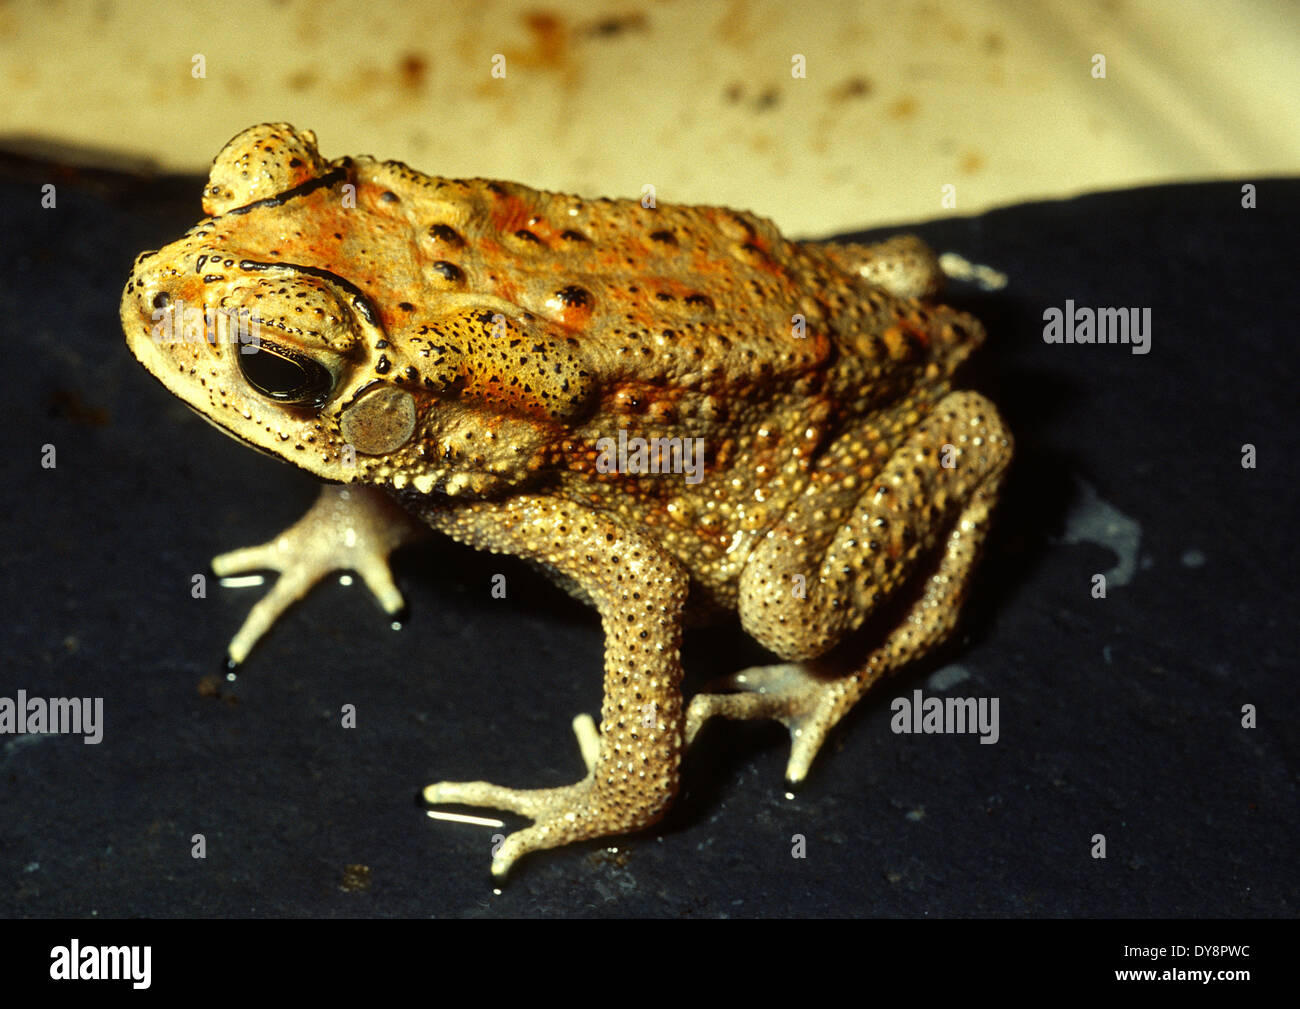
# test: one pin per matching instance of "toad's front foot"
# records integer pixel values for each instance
(561, 815)
(348, 528)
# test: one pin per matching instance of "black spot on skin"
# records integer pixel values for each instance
(528, 236)
(569, 235)
(444, 233)
(574, 296)
(406, 306)
(381, 344)
(664, 296)
(382, 365)
(410, 373)
(665, 237)
(389, 197)
(497, 188)
(447, 271)
(699, 301)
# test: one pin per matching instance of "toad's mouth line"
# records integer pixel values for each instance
(229, 433)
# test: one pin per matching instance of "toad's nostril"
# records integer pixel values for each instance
(162, 299)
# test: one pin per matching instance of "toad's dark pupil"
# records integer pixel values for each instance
(285, 376)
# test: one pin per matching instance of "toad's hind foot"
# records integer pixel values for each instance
(806, 703)
(903, 265)
(348, 528)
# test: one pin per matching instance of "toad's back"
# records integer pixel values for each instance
(703, 298)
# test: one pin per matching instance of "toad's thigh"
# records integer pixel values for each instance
(855, 537)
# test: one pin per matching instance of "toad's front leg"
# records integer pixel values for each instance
(639, 592)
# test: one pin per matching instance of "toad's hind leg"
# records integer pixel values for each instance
(912, 507)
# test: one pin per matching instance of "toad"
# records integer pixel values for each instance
(673, 411)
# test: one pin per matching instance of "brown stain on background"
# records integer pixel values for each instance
(903, 108)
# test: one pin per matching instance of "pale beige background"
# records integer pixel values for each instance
(600, 98)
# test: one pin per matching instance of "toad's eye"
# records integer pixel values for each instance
(285, 375)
